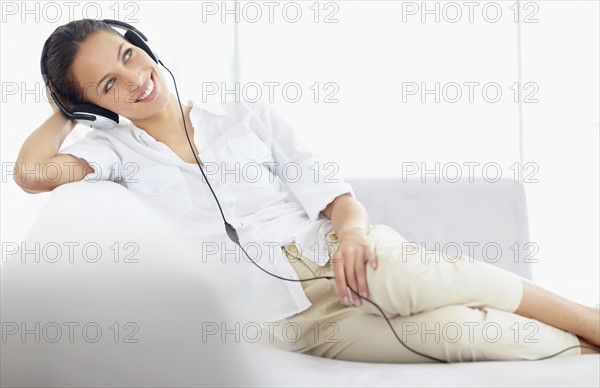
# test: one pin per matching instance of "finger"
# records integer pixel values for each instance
(361, 277)
(371, 258)
(340, 278)
(50, 99)
(349, 264)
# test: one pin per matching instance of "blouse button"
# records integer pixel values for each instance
(331, 237)
(292, 249)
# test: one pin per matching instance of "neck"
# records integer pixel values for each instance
(166, 124)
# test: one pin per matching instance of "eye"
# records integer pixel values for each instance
(126, 56)
(108, 85)
(127, 53)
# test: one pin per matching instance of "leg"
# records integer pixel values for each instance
(587, 348)
(557, 311)
(411, 280)
(451, 333)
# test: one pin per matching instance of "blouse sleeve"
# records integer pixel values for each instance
(313, 181)
(99, 153)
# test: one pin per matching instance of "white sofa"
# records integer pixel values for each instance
(162, 299)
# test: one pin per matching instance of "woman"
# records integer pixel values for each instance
(89, 61)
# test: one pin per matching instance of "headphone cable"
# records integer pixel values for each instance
(233, 235)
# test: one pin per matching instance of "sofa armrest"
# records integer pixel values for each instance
(102, 293)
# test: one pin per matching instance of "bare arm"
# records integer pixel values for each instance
(347, 213)
(39, 168)
(351, 225)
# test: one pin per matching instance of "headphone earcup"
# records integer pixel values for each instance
(95, 116)
(137, 40)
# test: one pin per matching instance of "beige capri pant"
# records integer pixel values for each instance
(451, 308)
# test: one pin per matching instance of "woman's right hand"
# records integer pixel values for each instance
(51, 100)
(53, 103)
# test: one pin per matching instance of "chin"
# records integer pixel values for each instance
(144, 112)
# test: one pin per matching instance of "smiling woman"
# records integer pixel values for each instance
(119, 76)
(274, 188)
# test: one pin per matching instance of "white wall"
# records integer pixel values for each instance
(561, 53)
(370, 54)
(366, 57)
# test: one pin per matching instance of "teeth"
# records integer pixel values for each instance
(148, 91)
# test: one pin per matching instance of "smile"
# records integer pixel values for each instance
(149, 93)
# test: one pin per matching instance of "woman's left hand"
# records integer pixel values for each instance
(355, 249)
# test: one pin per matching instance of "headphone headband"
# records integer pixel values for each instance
(124, 26)
(91, 114)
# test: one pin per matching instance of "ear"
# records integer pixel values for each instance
(95, 116)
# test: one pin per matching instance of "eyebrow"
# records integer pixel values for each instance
(118, 56)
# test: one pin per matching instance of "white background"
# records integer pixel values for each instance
(369, 53)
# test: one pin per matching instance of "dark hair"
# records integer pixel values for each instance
(63, 45)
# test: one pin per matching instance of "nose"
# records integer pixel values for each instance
(134, 80)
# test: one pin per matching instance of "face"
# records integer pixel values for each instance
(116, 75)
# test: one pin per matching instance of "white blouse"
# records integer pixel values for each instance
(271, 188)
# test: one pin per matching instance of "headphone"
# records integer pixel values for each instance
(90, 114)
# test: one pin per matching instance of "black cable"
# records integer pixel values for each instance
(233, 235)
(190, 143)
